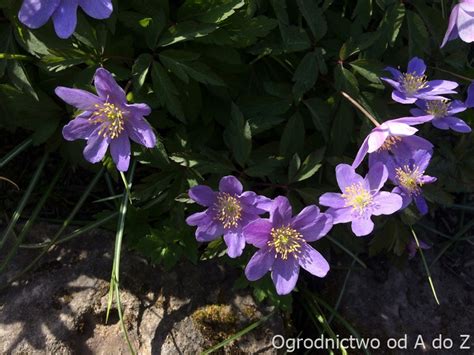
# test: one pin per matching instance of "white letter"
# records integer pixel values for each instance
(311, 343)
(290, 345)
(465, 338)
(419, 341)
(375, 343)
(391, 343)
(282, 341)
(436, 343)
(403, 342)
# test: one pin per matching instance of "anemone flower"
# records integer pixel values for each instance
(461, 23)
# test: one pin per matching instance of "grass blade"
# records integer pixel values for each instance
(14, 152)
(355, 257)
(237, 335)
(430, 279)
(24, 200)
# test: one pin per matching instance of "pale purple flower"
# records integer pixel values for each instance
(461, 23)
(388, 134)
(283, 246)
(228, 211)
(361, 198)
(442, 114)
(412, 247)
(35, 13)
(470, 96)
(408, 173)
(107, 120)
(412, 85)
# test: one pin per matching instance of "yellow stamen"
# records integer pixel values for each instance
(409, 179)
(286, 241)
(437, 108)
(357, 197)
(110, 117)
(390, 142)
(413, 83)
(229, 210)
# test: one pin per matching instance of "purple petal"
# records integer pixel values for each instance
(402, 129)
(456, 106)
(396, 74)
(281, 211)
(457, 125)
(418, 112)
(376, 177)
(470, 96)
(377, 138)
(440, 123)
(426, 179)
(392, 83)
(340, 215)
(400, 97)
(107, 87)
(264, 203)
(259, 264)
(65, 18)
(35, 13)
(361, 153)
(285, 275)
(362, 226)
(346, 176)
(441, 87)
(419, 119)
(78, 128)
(307, 216)
(83, 100)
(235, 244)
(409, 144)
(231, 185)
(98, 9)
(406, 198)
(140, 131)
(465, 24)
(257, 232)
(96, 147)
(120, 151)
(208, 232)
(416, 66)
(421, 204)
(199, 218)
(203, 195)
(451, 25)
(387, 203)
(318, 228)
(139, 110)
(332, 199)
(312, 261)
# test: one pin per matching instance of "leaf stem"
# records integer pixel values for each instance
(361, 109)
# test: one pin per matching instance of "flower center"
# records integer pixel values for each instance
(437, 108)
(390, 142)
(286, 241)
(409, 179)
(412, 83)
(111, 118)
(357, 197)
(229, 210)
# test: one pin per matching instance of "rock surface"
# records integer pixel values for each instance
(61, 307)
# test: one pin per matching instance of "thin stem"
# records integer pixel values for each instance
(454, 74)
(361, 109)
(18, 149)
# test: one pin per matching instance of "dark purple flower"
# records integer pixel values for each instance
(229, 210)
(461, 23)
(35, 13)
(412, 247)
(470, 96)
(107, 120)
(412, 85)
(442, 114)
(408, 173)
(283, 244)
(361, 198)
(388, 134)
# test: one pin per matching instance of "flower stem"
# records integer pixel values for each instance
(361, 109)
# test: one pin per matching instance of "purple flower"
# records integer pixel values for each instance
(470, 96)
(229, 210)
(388, 134)
(361, 198)
(412, 85)
(461, 23)
(442, 114)
(283, 245)
(35, 13)
(412, 247)
(408, 173)
(107, 120)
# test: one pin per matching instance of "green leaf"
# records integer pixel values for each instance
(370, 70)
(140, 70)
(209, 11)
(166, 91)
(311, 165)
(20, 79)
(418, 35)
(184, 64)
(295, 164)
(320, 115)
(305, 75)
(314, 17)
(185, 31)
(346, 81)
(238, 137)
(292, 139)
(154, 26)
